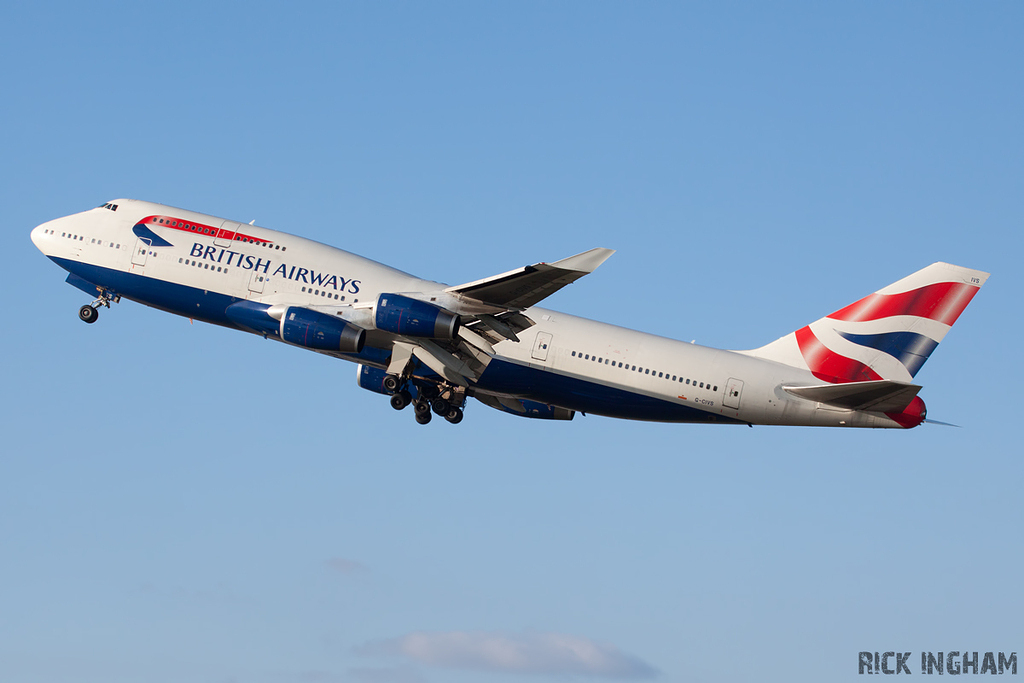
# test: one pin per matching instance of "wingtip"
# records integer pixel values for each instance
(586, 262)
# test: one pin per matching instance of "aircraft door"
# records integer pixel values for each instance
(256, 281)
(226, 234)
(540, 346)
(141, 251)
(733, 389)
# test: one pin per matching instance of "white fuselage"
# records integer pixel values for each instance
(562, 360)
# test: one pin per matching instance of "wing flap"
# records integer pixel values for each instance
(881, 396)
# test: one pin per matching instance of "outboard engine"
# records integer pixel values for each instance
(413, 318)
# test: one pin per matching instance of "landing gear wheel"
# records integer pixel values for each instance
(440, 406)
(454, 415)
(391, 383)
(88, 314)
(424, 417)
(421, 408)
(400, 400)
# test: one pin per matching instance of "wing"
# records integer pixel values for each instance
(529, 285)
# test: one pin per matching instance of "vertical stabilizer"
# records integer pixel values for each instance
(886, 335)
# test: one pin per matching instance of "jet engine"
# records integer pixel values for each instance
(372, 379)
(313, 330)
(412, 318)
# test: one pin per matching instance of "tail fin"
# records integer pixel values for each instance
(886, 335)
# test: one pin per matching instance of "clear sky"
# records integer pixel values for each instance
(187, 503)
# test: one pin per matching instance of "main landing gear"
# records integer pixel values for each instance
(445, 400)
(90, 313)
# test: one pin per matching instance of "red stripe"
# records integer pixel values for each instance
(943, 302)
(911, 416)
(199, 229)
(829, 366)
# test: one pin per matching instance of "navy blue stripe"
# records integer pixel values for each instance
(909, 348)
(588, 397)
(155, 240)
(199, 304)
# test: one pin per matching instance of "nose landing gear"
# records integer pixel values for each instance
(90, 313)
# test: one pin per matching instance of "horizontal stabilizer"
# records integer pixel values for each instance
(527, 286)
(883, 396)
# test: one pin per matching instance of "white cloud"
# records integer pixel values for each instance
(531, 653)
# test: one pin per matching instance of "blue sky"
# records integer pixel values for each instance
(186, 503)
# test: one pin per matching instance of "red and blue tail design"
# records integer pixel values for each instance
(886, 335)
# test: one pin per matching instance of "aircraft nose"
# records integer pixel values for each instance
(40, 234)
(37, 236)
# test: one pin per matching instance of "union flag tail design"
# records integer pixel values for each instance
(886, 335)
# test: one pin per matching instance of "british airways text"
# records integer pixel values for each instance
(250, 262)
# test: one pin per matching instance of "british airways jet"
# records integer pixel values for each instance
(431, 345)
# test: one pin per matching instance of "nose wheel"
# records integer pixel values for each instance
(88, 314)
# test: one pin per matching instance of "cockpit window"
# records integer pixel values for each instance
(108, 205)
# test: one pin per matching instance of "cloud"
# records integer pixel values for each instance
(531, 653)
(346, 566)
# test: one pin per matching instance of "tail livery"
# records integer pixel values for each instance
(883, 339)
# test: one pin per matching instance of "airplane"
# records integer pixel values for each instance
(432, 346)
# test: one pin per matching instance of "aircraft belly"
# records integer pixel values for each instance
(507, 377)
(191, 302)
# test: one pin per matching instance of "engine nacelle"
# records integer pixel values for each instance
(313, 330)
(412, 318)
(372, 379)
